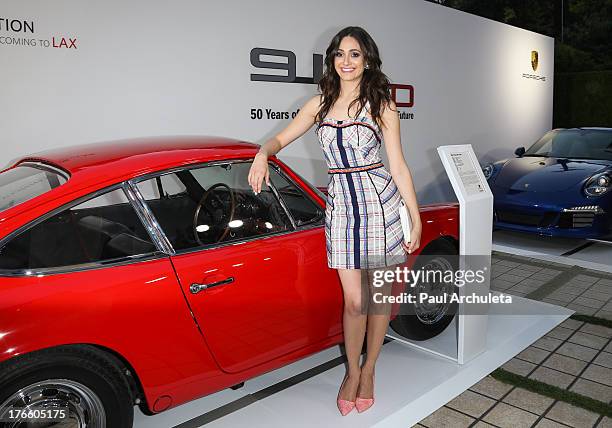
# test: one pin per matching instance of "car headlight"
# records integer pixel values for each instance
(598, 184)
(487, 170)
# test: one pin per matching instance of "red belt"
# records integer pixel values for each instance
(354, 169)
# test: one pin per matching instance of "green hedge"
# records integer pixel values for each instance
(582, 99)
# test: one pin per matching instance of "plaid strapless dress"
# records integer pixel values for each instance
(362, 223)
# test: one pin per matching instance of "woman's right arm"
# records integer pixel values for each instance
(302, 122)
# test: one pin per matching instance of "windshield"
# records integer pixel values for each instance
(574, 143)
(26, 181)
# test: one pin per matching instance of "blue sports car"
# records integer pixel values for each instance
(560, 186)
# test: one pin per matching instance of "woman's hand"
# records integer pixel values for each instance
(415, 240)
(259, 172)
(301, 123)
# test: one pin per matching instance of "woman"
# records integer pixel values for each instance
(355, 114)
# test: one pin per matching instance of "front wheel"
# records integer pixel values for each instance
(423, 320)
(67, 387)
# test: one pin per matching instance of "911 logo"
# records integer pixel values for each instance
(402, 95)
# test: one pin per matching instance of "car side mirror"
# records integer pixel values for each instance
(520, 151)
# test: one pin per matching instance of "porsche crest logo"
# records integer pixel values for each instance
(534, 60)
(534, 65)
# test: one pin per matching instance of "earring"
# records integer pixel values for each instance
(367, 66)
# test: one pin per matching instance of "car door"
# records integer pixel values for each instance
(89, 272)
(253, 272)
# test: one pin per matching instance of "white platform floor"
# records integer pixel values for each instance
(410, 383)
(595, 255)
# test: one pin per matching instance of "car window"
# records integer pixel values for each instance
(103, 228)
(574, 143)
(162, 186)
(302, 208)
(217, 206)
(26, 181)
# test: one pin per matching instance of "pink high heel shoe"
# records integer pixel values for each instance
(345, 406)
(363, 404)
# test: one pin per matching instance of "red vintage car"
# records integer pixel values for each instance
(146, 272)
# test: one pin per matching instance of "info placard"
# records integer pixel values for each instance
(466, 170)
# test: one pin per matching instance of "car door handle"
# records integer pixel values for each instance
(195, 288)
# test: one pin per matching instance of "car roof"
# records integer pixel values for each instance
(99, 165)
(133, 157)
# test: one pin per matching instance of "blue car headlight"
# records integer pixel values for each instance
(487, 170)
(598, 184)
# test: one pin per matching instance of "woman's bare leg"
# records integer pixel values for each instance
(377, 325)
(354, 324)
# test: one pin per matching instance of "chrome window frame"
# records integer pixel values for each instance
(294, 228)
(158, 254)
(148, 219)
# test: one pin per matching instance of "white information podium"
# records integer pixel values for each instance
(465, 338)
(475, 236)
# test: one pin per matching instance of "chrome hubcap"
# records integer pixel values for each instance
(431, 312)
(82, 406)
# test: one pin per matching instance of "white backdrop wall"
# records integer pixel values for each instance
(153, 67)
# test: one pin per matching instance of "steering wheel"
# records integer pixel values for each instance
(212, 213)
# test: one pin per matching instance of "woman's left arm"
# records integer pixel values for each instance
(400, 171)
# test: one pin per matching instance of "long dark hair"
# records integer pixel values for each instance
(374, 86)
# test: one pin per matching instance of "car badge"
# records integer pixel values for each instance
(526, 184)
(534, 60)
